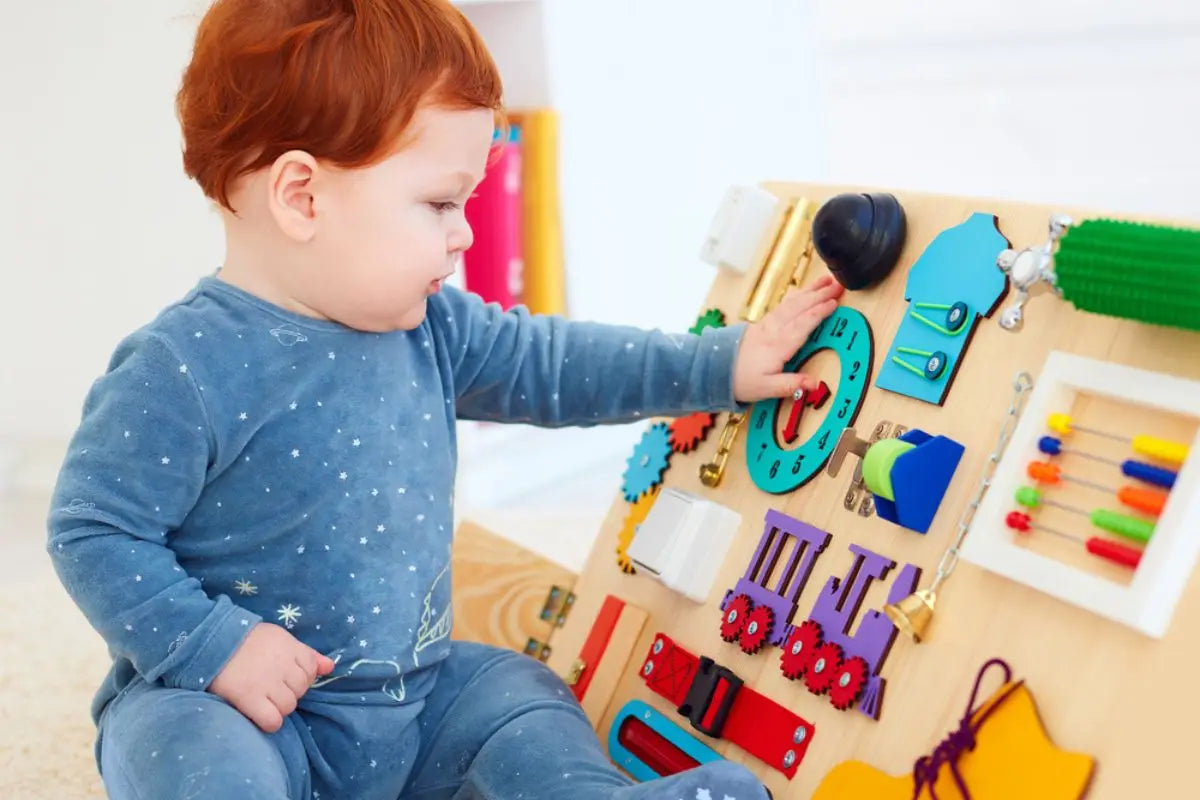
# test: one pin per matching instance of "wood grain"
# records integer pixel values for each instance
(500, 588)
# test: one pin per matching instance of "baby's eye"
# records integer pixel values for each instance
(445, 206)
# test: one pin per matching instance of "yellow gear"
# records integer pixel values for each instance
(637, 513)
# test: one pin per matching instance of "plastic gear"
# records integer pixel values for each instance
(848, 682)
(759, 623)
(637, 514)
(649, 461)
(733, 622)
(689, 431)
(712, 318)
(799, 647)
(826, 659)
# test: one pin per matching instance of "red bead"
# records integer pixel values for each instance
(1017, 521)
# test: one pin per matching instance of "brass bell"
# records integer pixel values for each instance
(912, 615)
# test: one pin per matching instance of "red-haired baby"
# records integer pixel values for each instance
(255, 511)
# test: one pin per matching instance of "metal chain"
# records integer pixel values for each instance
(1022, 384)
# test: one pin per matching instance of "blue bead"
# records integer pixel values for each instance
(1050, 445)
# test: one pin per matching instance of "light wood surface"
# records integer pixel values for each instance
(499, 589)
(619, 654)
(1100, 687)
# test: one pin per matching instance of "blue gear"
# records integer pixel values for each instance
(649, 461)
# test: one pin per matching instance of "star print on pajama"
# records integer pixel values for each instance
(290, 470)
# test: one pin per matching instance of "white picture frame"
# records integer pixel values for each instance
(1148, 602)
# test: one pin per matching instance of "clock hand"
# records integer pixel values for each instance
(803, 398)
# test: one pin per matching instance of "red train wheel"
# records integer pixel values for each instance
(848, 682)
(734, 618)
(826, 659)
(798, 649)
(758, 626)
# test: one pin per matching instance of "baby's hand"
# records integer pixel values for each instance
(268, 674)
(769, 343)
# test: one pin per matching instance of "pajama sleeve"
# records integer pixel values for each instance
(131, 475)
(511, 366)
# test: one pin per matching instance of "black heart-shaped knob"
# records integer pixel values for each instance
(860, 237)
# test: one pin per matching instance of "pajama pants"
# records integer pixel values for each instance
(495, 724)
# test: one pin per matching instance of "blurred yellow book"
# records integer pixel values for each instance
(541, 223)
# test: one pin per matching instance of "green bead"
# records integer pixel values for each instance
(1029, 497)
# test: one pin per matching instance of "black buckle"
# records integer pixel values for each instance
(700, 694)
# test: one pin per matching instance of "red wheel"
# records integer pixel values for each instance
(734, 619)
(798, 649)
(758, 626)
(826, 659)
(848, 682)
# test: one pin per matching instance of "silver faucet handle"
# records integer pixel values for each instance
(1029, 267)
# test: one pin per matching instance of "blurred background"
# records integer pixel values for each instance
(653, 108)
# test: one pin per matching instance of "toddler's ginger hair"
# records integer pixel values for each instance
(339, 79)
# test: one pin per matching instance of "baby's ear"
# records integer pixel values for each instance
(290, 194)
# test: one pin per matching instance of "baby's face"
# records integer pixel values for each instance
(387, 235)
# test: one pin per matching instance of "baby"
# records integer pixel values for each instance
(256, 509)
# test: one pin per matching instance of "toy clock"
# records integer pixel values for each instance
(777, 459)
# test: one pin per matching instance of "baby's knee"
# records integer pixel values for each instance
(176, 743)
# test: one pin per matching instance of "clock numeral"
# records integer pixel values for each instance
(839, 327)
(775, 468)
(854, 368)
(816, 334)
(824, 440)
(844, 410)
(796, 466)
(852, 338)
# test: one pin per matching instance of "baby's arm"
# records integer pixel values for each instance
(133, 472)
(545, 370)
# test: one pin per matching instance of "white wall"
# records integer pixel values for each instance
(1080, 102)
(98, 226)
(664, 104)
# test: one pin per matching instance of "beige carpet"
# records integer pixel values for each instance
(51, 664)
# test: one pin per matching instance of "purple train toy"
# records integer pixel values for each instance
(818, 649)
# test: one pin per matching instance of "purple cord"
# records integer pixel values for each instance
(926, 768)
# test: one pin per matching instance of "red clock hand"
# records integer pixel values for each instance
(816, 399)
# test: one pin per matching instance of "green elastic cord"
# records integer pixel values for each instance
(1132, 270)
(899, 362)
(927, 321)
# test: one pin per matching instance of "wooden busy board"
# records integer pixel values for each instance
(1101, 687)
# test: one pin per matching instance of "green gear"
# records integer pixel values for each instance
(712, 318)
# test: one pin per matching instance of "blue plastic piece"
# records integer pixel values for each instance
(1049, 445)
(958, 267)
(1149, 473)
(665, 728)
(920, 478)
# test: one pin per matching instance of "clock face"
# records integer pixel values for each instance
(779, 458)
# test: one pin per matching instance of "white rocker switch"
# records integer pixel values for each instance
(738, 228)
(683, 541)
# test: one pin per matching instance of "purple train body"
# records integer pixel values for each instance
(818, 648)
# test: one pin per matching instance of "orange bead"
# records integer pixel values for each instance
(1043, 472)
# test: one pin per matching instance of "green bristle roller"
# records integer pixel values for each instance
(1131, 270)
